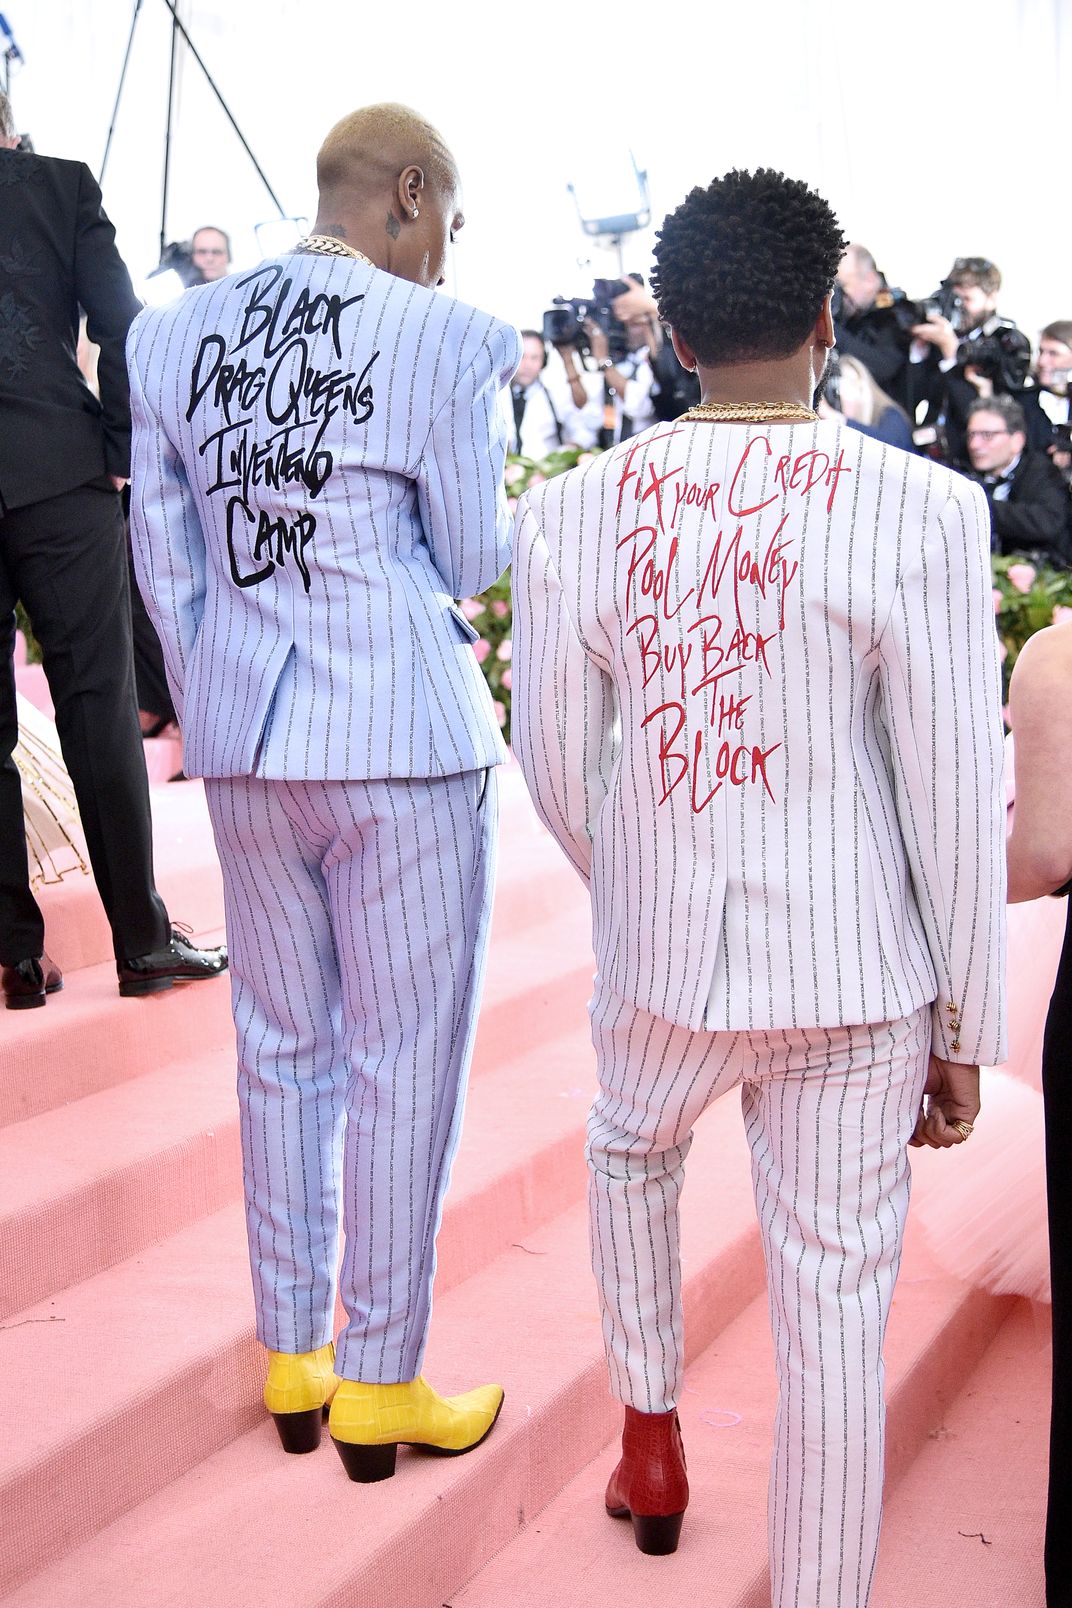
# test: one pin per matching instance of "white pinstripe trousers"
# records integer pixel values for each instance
(828, 1115)
(357, 917)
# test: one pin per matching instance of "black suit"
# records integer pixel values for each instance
(1034, 518)
(62, 540)
(876, 338)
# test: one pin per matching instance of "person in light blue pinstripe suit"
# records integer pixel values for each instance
(318, 457)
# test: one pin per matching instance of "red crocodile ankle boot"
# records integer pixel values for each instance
(650, 1485)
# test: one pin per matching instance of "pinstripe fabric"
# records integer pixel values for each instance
(357, 920)
(756, 699)
(828, 1113)
(317, 474)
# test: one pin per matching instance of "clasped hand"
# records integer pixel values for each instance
(950, 1095)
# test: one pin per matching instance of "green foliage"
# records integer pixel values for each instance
(491, 613)
(33, 650)
(1027, 597)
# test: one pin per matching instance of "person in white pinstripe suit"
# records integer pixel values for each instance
(756, 699)
(318, 457)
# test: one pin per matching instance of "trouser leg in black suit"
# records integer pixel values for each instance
(21, 927)
(150, 677)
(66, 559)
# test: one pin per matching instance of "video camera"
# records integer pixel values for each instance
(563, 324)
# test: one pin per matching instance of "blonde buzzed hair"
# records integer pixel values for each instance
(369, 148)
(7, 118)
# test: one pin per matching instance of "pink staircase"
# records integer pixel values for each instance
(136, 1465)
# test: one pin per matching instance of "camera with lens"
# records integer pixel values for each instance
(177, 256)
(563, 324)
(1061, 442)
(1003, 356)
(945, 303)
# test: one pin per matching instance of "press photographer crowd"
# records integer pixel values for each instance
(949, 376)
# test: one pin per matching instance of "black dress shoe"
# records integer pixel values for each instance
(26, 984)
(178, 962)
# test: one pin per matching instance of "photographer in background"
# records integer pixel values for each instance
(210, 254)
(1053, 374)
(648, 380)
(872, 323)
(849, 391)
(547, 405)
(980, 353)
(1029, 505)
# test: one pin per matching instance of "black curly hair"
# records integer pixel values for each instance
(742, 267)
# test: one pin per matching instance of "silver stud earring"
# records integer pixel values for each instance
(416, 214)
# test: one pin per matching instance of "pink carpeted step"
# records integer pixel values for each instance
(87, 1038)
(84, 1187)
(151, 1369)
(31, 681)
(534, 883)
(572, 1553)
(970, 1510)
(187, 875)
(163, 760)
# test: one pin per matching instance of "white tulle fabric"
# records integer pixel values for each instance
(987, 1223)
(55, 844)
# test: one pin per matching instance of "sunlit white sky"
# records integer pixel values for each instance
(935, 127)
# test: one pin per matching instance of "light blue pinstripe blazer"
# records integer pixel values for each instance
(317, 475)
(757, 699)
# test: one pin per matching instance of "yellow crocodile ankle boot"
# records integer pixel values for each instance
(369, 1423)
(297, 1392)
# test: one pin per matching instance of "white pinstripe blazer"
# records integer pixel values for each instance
(756, 698)
(317, 474)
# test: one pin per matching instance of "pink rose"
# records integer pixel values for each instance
(1061, 612)
(585, 457)
(505, 650)
(514, 473)
(1022, 576)
(1003, 652)
(481, 649)
(507, 680)
(536, 479)
(999, 599)
(500, 608)
(511, 503)
(471, 608)
(500, 712)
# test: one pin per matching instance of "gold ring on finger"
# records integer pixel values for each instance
(965, 1129)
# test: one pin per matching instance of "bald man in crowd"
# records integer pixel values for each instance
(318, 459)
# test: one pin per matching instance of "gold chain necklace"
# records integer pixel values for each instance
(319, 245)
(748, 413)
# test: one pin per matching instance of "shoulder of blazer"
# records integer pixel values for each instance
(28, 175)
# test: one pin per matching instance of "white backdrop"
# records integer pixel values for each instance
(935, 127)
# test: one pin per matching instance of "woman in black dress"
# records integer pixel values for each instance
(1040, 863)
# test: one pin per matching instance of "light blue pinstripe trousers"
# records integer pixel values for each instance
(357, 919)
